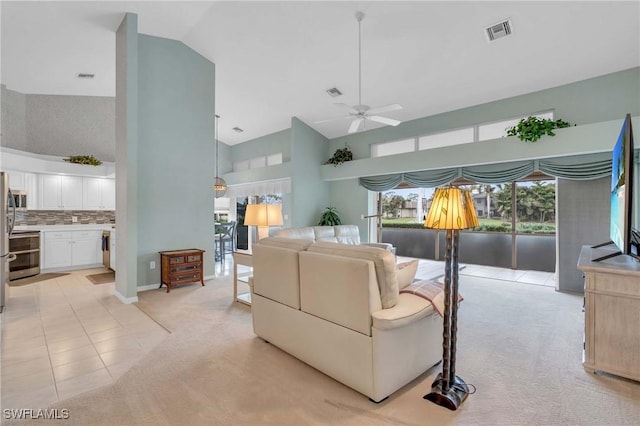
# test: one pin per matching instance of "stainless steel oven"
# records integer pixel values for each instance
(26, 247)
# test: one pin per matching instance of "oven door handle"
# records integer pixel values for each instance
(26, 251)
(16, 236)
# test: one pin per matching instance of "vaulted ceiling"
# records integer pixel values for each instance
(275, 60)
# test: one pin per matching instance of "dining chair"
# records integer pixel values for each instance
(225, 239)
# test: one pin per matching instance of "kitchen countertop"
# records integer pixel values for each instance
(78, 227)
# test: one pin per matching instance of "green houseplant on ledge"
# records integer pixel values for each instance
(340, 156)
(330, 217)
(83, 159)
(530, 129)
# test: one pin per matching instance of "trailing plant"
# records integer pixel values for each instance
(340, 156)
(84, 159)
(530, 129)
(330, 217)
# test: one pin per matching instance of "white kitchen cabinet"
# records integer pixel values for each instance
(59, 192)
(57, 249)
(72, 248)
(27, 182)
(99, 193)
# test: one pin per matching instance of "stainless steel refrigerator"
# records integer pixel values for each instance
(6, 227)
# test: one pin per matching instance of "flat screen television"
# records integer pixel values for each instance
(620, 230)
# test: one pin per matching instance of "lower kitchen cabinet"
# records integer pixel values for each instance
(72, 249)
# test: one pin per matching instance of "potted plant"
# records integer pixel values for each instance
(530, 129)
(83, 159)
(330, 217)
(340, 156)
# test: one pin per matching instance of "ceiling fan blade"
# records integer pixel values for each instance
(386, 108)
(355, 125)
(384, 120)
(349, 107)
(331, 119)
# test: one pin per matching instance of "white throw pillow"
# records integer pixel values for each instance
(406, 272)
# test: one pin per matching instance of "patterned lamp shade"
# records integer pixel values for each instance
(452, 208)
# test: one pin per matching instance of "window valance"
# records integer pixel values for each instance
(577, 167)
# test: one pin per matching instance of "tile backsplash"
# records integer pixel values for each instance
(64, 217)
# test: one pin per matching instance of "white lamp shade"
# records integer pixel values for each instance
(452, 208)
(263, 215)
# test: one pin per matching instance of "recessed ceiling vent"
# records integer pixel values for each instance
(238, 129)
(499, 30)
(85, 75)
(333, 92)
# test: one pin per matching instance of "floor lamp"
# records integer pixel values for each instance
(452, 209)
(263, 216)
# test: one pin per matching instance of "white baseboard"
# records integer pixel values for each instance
(148, 287)
(125, 300)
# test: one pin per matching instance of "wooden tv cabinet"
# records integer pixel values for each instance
(611, 313)
(181, 267)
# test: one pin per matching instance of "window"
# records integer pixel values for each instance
(257, 162)
(453, 137)
(498, 129)
(392, 148)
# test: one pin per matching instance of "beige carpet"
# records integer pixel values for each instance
(520, 345)
(37, 278)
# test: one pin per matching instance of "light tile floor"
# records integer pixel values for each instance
(64, 336)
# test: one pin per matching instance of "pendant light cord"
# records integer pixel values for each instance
(359, 17)
(216, 136)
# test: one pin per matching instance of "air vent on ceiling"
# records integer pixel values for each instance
(333, 92)
(499, 30)
(238, 129)
(85, 75)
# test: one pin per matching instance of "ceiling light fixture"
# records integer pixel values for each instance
(237, 129)
(85, 75)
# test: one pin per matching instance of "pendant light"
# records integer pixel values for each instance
(219, 186)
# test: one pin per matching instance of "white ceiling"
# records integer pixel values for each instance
(274, 60)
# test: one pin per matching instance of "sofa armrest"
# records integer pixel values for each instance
(410, 308)
(386, 246)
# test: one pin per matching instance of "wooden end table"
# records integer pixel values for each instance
(181, 267)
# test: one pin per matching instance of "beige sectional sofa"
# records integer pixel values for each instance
(344, 234)
(337, 307)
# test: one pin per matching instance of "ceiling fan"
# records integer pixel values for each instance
(361, 113)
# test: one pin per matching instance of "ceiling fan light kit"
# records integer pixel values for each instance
(361, 113)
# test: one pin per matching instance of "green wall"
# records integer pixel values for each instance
(309, 193)
(263, 146)
(176, 152)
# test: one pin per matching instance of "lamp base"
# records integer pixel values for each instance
(451, 399)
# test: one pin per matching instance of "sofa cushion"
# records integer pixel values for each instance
(406, 272)
(325, 233)
(305, 233)
(409, 309)
(383, 260)
(347, 234)
(290, 243)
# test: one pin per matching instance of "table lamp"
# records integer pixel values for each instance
(452, 209)
(263, 216)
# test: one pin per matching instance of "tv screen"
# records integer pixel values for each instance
(621, 188)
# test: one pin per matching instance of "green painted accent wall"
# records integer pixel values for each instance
(127, 158)
(263, 146)
(176, 160)
(309, 193)
(602, 98)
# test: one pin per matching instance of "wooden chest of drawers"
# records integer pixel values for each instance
(181, 267)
